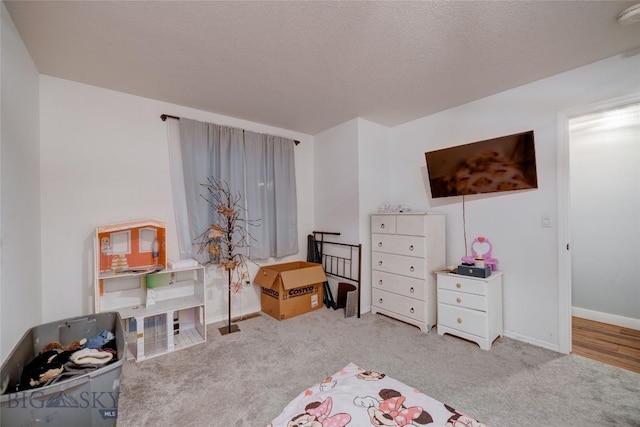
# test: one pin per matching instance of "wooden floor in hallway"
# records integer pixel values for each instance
(610, 344)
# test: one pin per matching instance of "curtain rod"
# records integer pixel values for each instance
(164, 117)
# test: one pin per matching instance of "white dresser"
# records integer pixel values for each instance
(406, 250)
(470, 307)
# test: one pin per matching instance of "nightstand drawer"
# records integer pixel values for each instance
(462, 284)
(461, 299)
(399, 304)
(398, 264)
(384, 224)
(408, 286)
(469, 321)
(400, 245)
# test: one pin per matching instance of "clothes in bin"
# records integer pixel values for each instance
(65, 373)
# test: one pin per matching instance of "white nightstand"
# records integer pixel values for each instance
(470, 307)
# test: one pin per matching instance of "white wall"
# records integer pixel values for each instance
(527, 253)
(20, 192)
(374, 149)
(351, 182)
(336, 180)
(105, 159)
(336, 187)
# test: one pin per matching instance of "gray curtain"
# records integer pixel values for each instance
(261, 168)
(271, 194)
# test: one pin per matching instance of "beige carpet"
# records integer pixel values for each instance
(246, 378)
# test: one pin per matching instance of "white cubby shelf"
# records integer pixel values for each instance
(162, 309)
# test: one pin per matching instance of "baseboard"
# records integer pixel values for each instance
(253, 312)
(532, 341)
(235, 316)
(612, 319)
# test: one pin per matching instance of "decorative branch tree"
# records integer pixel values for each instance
(225, 242)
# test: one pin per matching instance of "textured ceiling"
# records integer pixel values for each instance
(308, 66)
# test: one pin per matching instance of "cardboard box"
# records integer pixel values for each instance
(290, 289)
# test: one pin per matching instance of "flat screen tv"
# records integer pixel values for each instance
(505, 163)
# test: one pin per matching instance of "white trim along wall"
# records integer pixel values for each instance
(612, 319)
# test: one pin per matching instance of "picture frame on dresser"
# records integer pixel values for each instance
(406, 251)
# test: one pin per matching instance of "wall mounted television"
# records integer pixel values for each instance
(505, 163)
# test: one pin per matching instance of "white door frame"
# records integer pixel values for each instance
(564, 225)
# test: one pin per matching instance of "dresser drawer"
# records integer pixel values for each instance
(413, 225)
(461, 299)
(400, 245)
(470, 321)
(398, 264)
(383, 224)
(399, 304)
(462, 284)
(408, 286)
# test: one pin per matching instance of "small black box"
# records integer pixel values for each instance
(472, 270)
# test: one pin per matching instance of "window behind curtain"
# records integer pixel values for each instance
(261, 168)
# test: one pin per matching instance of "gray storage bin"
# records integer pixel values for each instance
(89, 398)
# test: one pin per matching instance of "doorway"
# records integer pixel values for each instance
(599, 220)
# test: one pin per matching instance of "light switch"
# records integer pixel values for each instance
(546, 221)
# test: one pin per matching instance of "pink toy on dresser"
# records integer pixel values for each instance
(481, 248)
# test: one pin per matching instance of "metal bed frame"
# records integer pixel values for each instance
(341, 266)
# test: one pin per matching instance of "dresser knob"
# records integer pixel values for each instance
(379, 244)
(458, 285)
(381, 225)
(380, 300)
(411, 290)
(412, 269)
(380, 282)
(459, 320)
(458, 300)
(411, 247)
(379, 262)
(412, 310)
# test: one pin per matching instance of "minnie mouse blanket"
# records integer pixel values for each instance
(356, 397)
